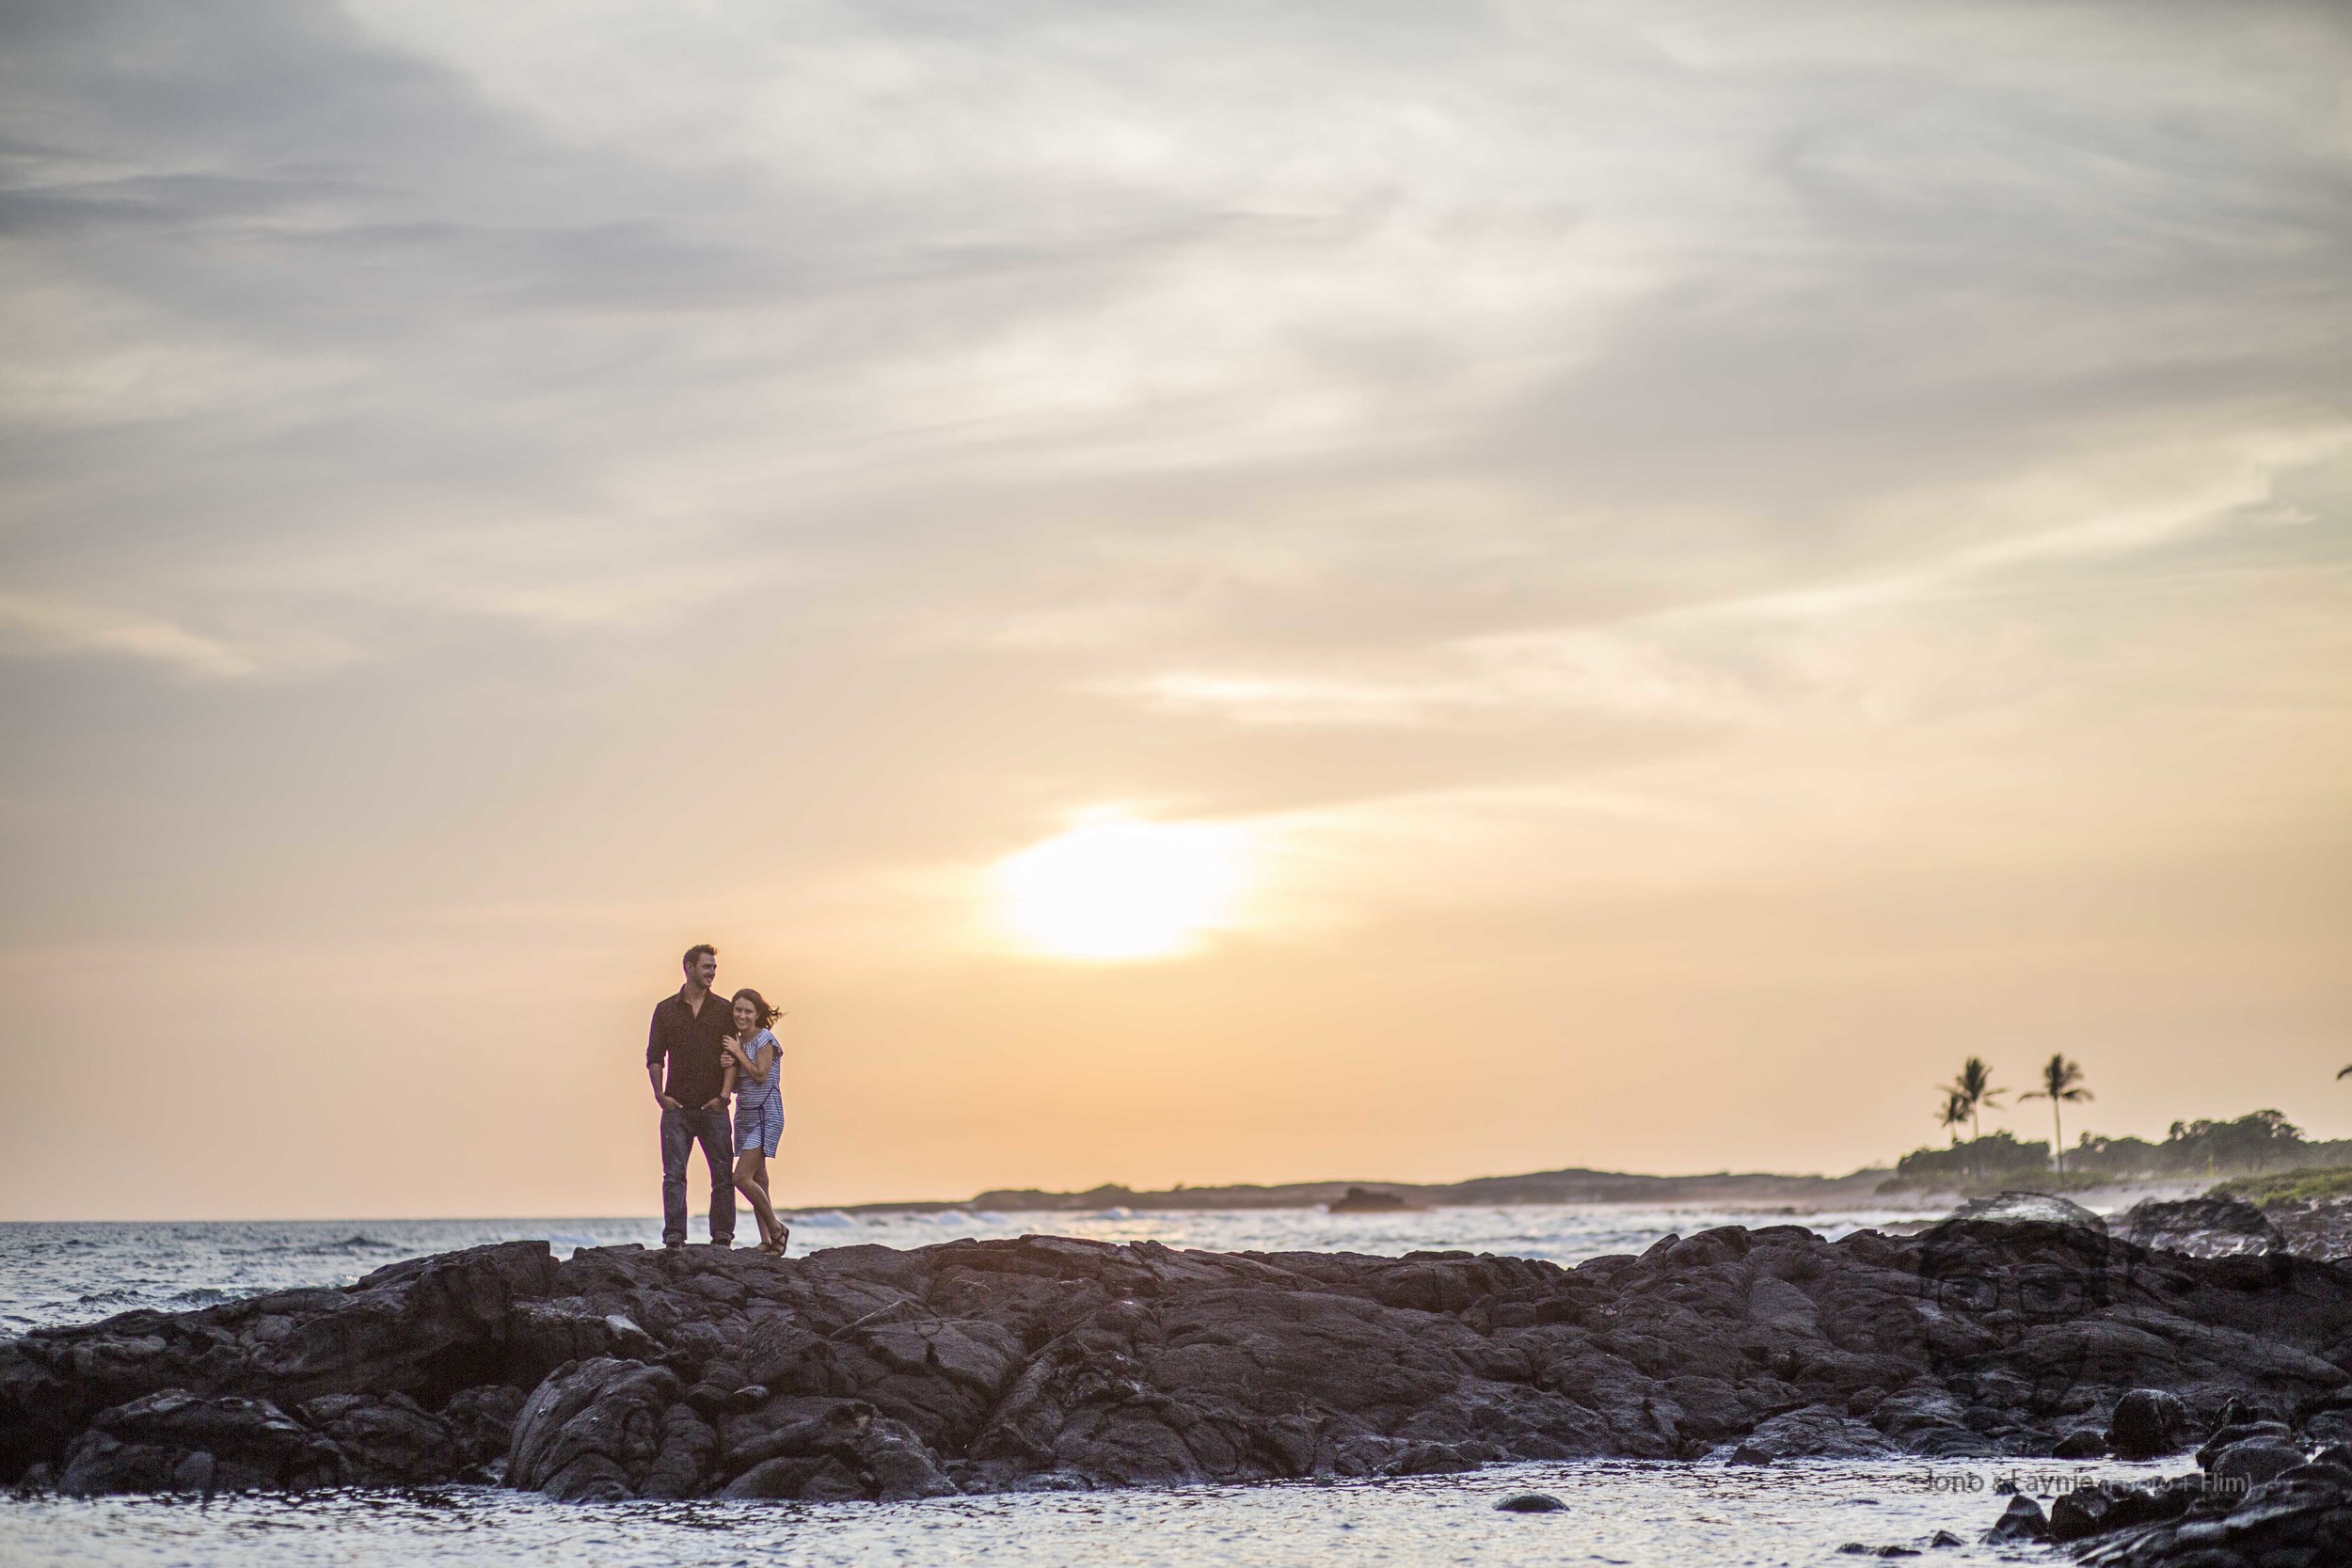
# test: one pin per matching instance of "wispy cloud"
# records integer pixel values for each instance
(52, 627)
(772, 460)
(1747, 658)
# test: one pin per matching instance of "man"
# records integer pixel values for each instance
(682, 1060)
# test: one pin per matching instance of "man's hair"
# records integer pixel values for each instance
(695, 952)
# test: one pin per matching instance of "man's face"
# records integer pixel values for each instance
(703, 970)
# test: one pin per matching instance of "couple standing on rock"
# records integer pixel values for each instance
(700, 1051)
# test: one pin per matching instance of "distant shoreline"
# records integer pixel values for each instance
(1722, 1189)
(1556, 1186)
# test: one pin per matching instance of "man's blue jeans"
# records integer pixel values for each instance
(680, 1130)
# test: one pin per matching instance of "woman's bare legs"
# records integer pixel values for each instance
(751, 1179)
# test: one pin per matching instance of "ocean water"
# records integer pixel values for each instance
(1668, 1515)
(1653, 1515)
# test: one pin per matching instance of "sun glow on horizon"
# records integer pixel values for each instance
(1113, 890)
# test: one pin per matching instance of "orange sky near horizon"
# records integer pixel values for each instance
(1202, 596)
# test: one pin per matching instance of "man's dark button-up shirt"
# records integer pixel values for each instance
(689, 1042)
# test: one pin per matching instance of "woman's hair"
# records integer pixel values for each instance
(766, 1014)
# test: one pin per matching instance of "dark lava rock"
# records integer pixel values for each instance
(2147, 1423)
(480, 1422)
(2082, 1443)
(2230, 1433)
(2202, 1227)
(387, 1440)
(2246, 1465)
(1815, 1432)
(2106, 1506)
(1054, 1363)
(2291, 1522)
(2023, 1520)
(1531, 1502)
(592, 1433)
(176, 1441)
(2313, 1227)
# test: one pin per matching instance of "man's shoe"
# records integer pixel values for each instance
(673, 1246)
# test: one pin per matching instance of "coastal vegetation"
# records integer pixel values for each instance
(2308, 1184)
(2062, 1081)
(2257, 1144)
(1967, 1096)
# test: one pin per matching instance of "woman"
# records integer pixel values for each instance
(754, 1064)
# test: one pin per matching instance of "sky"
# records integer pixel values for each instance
(1203, 593)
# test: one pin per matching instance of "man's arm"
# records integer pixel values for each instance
(657, 1056)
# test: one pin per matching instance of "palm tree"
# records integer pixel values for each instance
(1955, 1112)
(2345, 1071)
(1974, 1090)
(2060, 1080)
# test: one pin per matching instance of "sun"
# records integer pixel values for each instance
(1112, 891)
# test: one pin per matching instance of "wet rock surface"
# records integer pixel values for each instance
(1048, 1363)
(2045, 1208)
(2267, 1495)
(2201, 1227)
(2147, 1423)
(2313, 1227)
(2223, 1226)
(2302, 1518)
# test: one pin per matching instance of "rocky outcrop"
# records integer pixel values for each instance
(2219, 1226)
(2263, 1497)
(2147, 1423)
(1370, 1200)
(2312, 1228)
(2016, 1207)
(1054, 1363)
(2202, 1228)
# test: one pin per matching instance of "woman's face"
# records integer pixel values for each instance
(746, 1017)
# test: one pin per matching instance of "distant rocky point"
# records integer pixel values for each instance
(1368, 1201)
(1724, 1188)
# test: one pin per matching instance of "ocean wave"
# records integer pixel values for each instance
(112, 1297)
(826, 1219)
(328, 1249)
